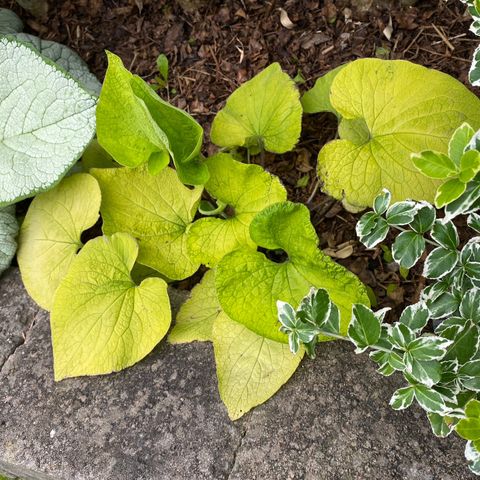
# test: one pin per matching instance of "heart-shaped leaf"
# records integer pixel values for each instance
(250, 368)
(264, 112)
(249, 282)
(246, 190)
(156, 210)
(47, 121)
(390, 109)
(50, 234)
(136, 126)
(101, 321)
(197, 315)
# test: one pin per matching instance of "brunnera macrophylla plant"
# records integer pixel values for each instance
(387, 110)
(435, 344)
(108, 298)
(47, 105)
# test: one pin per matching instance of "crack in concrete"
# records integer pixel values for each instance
(25, 335)
(243, 434)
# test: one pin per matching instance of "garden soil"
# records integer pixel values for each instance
(215, 46)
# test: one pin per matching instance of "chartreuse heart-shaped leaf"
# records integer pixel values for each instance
(244, 190)
(136, 126)
(389, 110)
(249, 283)
(156, 210)
(197, 315)
(47, 119)
(50, 234)
(8, 234)
(317, 99)
(101, 321)
(264, 112)
(250, 367)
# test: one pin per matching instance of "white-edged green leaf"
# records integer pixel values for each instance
(364, 328)
(429, 399)
(467, 203)
(470, 305)
(156, 210)
(449, 191)
(8, 235)
(469, 165)
(425, 372)
(264, 112)
(400, 335)
(442, 306)
(429, 347)
(250, 368)
(415, 316)
(469, 375)
(246, 190)
(377, 233)
(424, 218)
(434, 164)
(47, 121)
(474, 72)
(194, 321)
(407, 248)
(459, 142)
(445, 233)
(101, 321)
(401, 213)
(50, 235)
(402, 398)
(382, 202)
(440, 262)
(464, 342)
(474, 221)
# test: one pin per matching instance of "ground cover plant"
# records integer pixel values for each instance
(165, 212)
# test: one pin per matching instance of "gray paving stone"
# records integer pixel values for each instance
(333, 421)
(17, 313)
(163, 419)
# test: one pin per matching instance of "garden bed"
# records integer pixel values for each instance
(151, 216)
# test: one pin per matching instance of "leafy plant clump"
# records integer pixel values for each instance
(435, 342)
(143, 209)
(387, 110)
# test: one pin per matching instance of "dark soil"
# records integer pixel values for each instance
(213, 49)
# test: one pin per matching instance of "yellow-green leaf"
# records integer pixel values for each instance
(250, 368)
(50, 234)
(263, 112)
(156, 210)
(196, 316)
(101, 321)
(245, 189)
(250, 282)
(389, 110)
